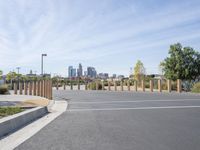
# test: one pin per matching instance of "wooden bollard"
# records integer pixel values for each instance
(38, 88)
(48, 90)
(20, 88)
(121, 83)
(151, 85)
(128, 85)
(51, 90)
(108, 85)
(15, 88)
(43, 87)
(78, 84)
(25, 88)
(102, 85)
(143, 85)
(30, 87)
(135, 85)
(71, 86)
(34, 88)
(115, 85)
(57, 86)
(169, 86)
(97, 88)
(179, 86)
(64, 86)
(159, 85)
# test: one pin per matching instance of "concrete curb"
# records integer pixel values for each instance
(12, 123)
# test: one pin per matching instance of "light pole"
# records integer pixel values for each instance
(42, 64)
(18, 76)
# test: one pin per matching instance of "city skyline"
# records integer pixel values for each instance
(109, 35)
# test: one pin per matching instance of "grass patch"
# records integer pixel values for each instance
(6, 111)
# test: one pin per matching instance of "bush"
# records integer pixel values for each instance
(196, 88)
(3, 89)
(92, 86)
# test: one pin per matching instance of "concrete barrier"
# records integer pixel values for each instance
(12, 123)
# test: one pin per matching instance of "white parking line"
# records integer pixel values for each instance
(134, 101)
(136, 108)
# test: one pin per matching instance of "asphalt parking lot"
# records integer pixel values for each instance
(103, 120)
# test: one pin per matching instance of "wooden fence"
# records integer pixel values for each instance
(41, 88)
(120, 85)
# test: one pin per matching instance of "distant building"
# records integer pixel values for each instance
(114, 76)
(71, 72)
(91, 72)
(80, 71)
(103, 75)
(31, 74)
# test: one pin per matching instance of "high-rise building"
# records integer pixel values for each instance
(80, 70)
(70, 68)
(71, 72)
(91, 72)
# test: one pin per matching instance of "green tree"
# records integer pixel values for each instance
(1, 73)
(139, 71)
(182, 63)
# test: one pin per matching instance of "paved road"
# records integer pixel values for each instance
(97, 120)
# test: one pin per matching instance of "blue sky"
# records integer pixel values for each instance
(110, 35)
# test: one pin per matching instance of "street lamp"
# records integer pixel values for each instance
(42, 64)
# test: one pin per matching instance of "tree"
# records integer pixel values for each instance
(139, 71)
(182, 63)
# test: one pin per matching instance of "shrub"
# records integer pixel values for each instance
(3, 89)
(196, 88)
(92, 86)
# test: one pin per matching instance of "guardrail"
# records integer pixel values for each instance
(41, 88)
(126, 85)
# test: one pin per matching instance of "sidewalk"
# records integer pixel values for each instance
(23, 100)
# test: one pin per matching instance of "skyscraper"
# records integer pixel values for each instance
(71, 72)
(91, 72)
(70, 68)
(80, 70)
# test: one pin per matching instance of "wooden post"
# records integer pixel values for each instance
(50, 90)
(30, 87)
(41, 88)
(169, 86)
(20, 88)
(86, 86)
(15, 88)
(97, 85)
(64, 86)
(71, 86)
(128, 85)
(38, 88)
(135, 85)
(143, 85)
(108, 85)
(78, 84)
(102, 85)
(159, 85)
(115, 84)
(25, 88)
(57, 86)
(122, 88)
(151, 85)
(179, 86)
(34, 88)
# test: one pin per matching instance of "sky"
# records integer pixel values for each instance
(110, 35)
